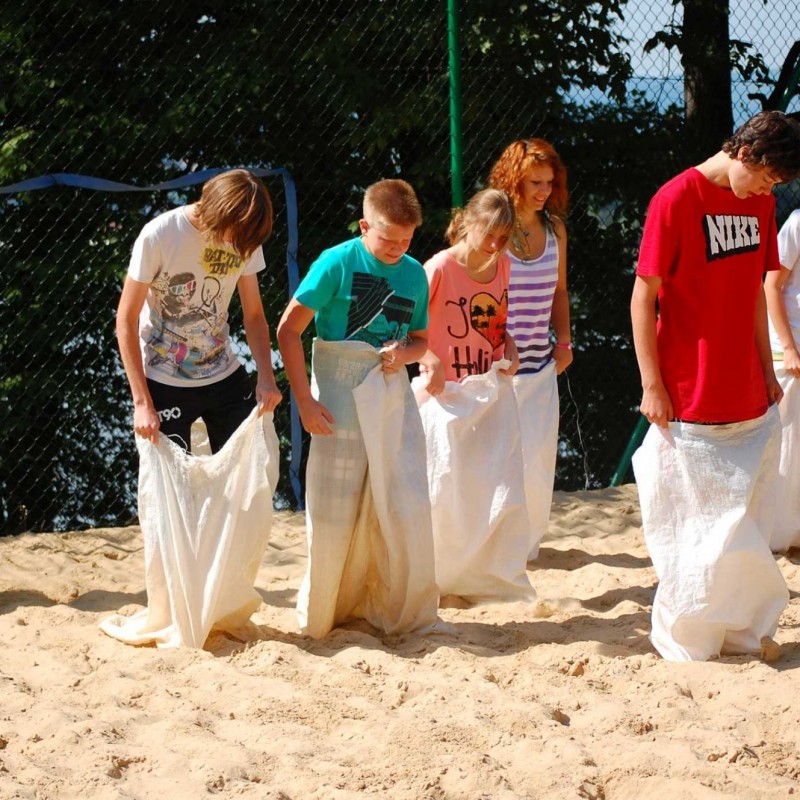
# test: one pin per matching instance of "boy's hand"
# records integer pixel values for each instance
(393, 356)
(657, 406)
(146, 422)
(563, 358)
(315, 417)
(268, 395)
(774, 391)
(511, 353)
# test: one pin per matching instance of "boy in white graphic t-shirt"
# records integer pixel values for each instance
(172, 319)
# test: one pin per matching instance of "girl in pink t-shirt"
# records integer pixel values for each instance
(468, 281)
(479, 518)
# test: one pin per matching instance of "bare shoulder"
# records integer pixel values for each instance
(559, 228)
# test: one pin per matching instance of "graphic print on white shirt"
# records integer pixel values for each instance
(184, 324)
(193, 333)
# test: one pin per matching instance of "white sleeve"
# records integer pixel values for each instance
(789, 241)
(255, 263)
(146, 259)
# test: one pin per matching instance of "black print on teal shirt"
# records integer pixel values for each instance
(377, 309)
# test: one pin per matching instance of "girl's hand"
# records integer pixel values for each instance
(434, 372)
(511, 353)
(431, 366)
(563, 358)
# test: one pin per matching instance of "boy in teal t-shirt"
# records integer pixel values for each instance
(370, 542)
(358, 297)
(366, 289)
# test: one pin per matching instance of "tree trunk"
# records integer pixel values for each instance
(707, 75)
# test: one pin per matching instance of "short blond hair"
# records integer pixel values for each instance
(392, 202)
(236, 206)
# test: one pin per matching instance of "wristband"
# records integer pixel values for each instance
(563, 345)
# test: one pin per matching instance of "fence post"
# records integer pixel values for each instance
(454, 63)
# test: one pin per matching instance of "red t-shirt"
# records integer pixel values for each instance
(711, 250)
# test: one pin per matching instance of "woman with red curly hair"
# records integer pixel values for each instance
(533, 175)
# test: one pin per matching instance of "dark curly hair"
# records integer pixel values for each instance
(770, 139)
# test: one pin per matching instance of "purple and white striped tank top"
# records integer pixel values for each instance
(530, 301)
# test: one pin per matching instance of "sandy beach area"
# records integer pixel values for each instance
(565, 699)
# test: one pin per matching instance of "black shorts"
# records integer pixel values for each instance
(223, 406)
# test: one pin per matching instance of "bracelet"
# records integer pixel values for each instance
(563, 345)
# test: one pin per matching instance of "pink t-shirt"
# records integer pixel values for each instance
(711, 250)
(466, 319)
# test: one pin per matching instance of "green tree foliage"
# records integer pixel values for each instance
(340, 94)
(708, 56)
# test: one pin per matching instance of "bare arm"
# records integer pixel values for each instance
(256, 332)
(773, 290)
(397, 354)
(145, 418)
(295, 319)
(656, 403)
(559, 314)
(774, 391)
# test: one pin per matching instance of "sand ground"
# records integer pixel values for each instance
(568, 700)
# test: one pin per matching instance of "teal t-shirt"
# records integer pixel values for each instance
(357, 297)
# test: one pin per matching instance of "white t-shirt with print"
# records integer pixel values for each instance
(183, 327)
(789, 254)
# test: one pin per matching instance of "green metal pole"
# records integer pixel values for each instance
(454, 63)
(791, 88)
(625, 462)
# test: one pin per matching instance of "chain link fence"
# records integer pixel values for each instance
(340, 95)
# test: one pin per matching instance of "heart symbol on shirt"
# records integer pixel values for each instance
(488, 316)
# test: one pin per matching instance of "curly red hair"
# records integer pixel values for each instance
(517, 159)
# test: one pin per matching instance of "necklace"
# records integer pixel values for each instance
(520, 238)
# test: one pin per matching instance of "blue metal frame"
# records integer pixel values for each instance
(192, 179)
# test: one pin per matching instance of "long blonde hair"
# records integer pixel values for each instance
(486, 211)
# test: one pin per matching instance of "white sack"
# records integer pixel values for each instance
(707, 495)
(370, 549)
(480, 522)
(205, 522)
(786, 531)
(537, 402)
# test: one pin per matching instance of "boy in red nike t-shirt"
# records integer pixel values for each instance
(708, 464)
